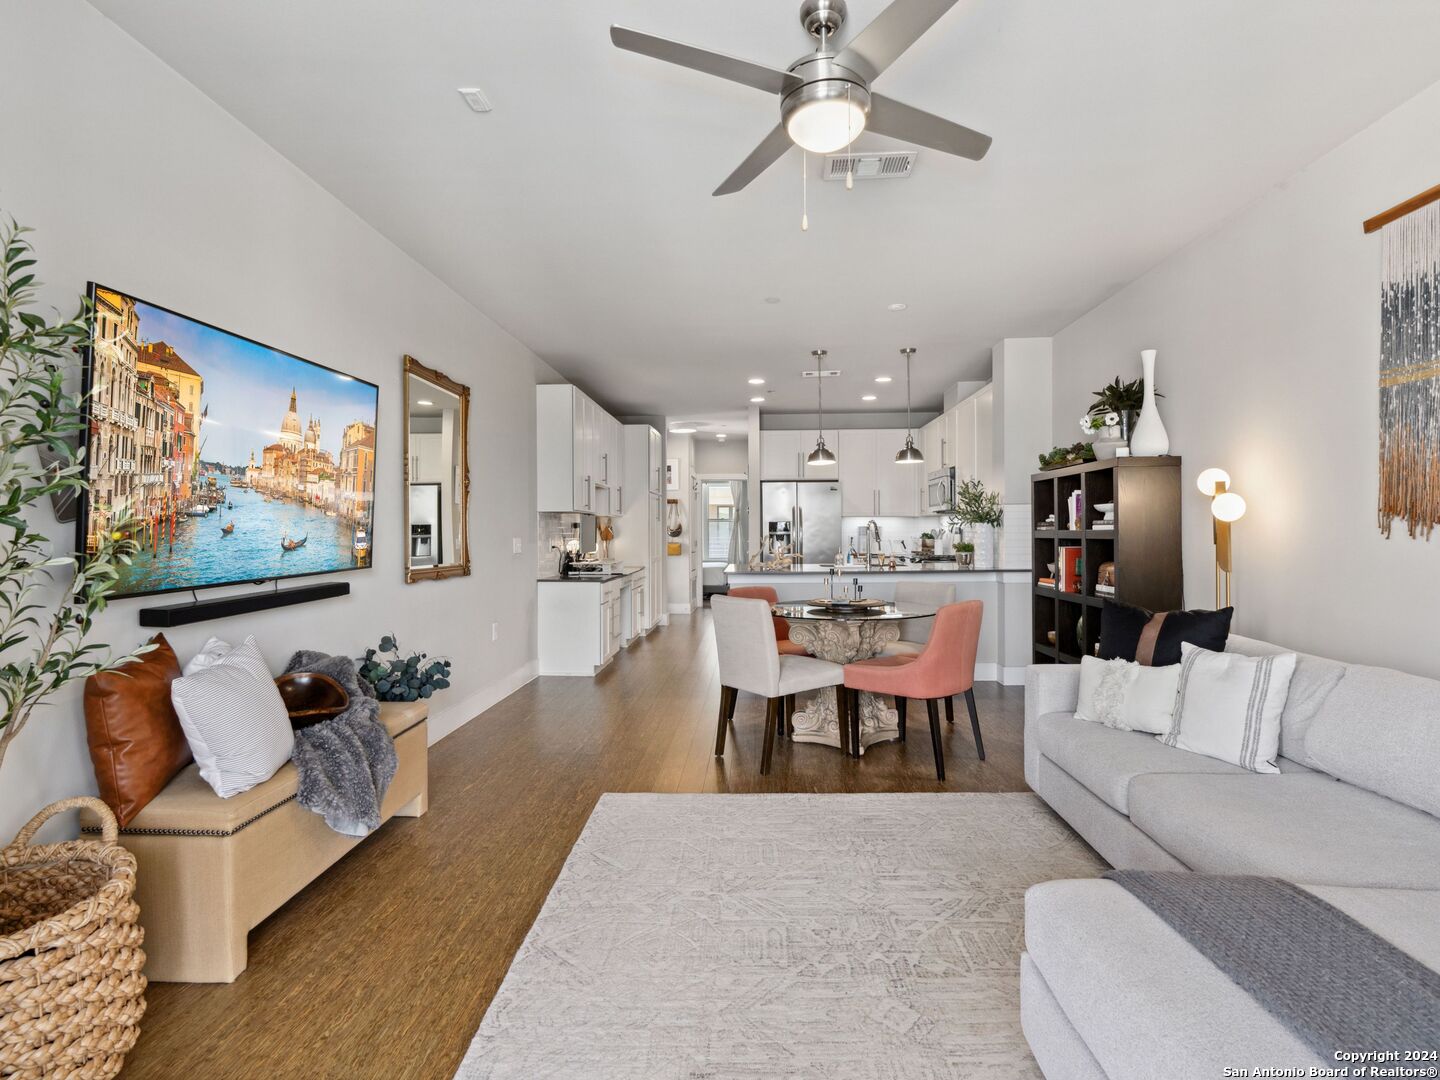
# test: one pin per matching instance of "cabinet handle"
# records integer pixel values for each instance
(605, 460)
(587, 493)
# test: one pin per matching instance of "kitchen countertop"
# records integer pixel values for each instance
(847, 570)
(585, 579)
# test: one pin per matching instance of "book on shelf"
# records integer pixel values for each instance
(1047, 582)
(1075, 504)
(1101, 526)
(1104, 590)
(1072, 569)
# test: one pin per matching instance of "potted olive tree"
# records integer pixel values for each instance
(69, 956)
(977, 513)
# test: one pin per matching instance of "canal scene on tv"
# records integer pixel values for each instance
(224, 460)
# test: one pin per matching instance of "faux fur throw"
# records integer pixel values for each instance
(345, 763)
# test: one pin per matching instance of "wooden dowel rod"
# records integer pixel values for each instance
(1409, 206)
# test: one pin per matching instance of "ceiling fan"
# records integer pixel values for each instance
(825, 96)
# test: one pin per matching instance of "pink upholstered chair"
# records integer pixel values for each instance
(945, 668)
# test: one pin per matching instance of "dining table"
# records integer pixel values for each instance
(843, 637)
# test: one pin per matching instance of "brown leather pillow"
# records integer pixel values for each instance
(136, 743)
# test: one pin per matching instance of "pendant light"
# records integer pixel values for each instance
(822, 454)
(909, 455)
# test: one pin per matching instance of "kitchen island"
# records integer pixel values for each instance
(1005, 645)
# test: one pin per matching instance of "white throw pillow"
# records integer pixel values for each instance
(234, 719)
(1128, 696)
(1229, 706)
(208, 656)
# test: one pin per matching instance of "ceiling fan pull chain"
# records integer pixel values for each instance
(804, 190)
(849, 143)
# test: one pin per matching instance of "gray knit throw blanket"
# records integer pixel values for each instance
(1333, 983)
(345, 763)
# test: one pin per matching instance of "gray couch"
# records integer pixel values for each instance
(1108, 989)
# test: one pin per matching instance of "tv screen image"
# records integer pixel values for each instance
(225, 460)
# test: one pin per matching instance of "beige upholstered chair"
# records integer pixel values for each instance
(749, 661)
(915, 632)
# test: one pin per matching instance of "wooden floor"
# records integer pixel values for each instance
(385, 965)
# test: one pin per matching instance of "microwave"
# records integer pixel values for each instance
(940, 490)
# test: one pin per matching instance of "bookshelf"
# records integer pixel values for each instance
(1144, 545)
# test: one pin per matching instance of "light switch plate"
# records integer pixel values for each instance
(515, 546)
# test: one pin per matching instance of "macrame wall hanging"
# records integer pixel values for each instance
(1410, 372)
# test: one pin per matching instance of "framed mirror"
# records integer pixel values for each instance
(437, 474)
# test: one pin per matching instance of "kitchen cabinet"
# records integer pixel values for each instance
(898, 487)
(583, 624)
(783, 453)
(856, 473)
(578, 454)
(985, 470)
(964, 436)
(427, 463)
(932, 435)
(656, 475)
(640, 523)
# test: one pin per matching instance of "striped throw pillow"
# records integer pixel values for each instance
(1228, 706)
(235, 720)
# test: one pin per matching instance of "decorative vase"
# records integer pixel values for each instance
(965, 559)
(983, 537)
(1149, 438)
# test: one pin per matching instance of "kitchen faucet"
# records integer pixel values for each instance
(872, 527)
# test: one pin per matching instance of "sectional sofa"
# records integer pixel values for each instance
(1109, 990)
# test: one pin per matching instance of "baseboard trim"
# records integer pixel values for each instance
(1005, 676)
(681, 609)
(454, 717)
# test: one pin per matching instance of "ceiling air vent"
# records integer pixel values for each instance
(888, 165)
(828, 373)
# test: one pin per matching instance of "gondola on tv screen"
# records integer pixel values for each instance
(224, 460)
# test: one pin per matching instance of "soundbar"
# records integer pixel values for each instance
(222, 607)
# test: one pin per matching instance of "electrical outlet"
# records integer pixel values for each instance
(515, 547)
(495, 628)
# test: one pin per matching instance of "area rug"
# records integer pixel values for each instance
(741, 937)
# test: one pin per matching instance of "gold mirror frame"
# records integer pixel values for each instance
(442, 381)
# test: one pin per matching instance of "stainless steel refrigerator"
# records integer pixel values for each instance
(803, 514)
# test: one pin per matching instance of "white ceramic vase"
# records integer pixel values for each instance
(983, 537)
(1149, 439)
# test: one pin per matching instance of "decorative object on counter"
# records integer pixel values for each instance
(1409, 374)
(38, 414)
(311, 697)
(346, 762)
(822, 454)
(927, 542)
(1149, 439)
(979, 514)
(604, 533)
(71, 983)
(909, 454)
(1225, 507)
(1062, 456)
(965, 554)
(402, 678)
(674, 519)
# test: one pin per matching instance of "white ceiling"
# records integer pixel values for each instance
(578, 214)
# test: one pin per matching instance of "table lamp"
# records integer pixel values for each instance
(1225, 507)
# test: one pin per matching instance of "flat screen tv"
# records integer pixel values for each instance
(225, 460)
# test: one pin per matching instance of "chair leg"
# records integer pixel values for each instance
(730, 713)
(842, 716)
(789, 730)
(975, 722)
(900, 709)
(772, 715)
(932, 707)
(950, 710)
(727, 710)
(855, 747)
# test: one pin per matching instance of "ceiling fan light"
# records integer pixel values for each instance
(826, 125)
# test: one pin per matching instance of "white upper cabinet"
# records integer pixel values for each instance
(780, 455)
(857, 473)
(931, 436)
(807, 443)
(964, 446)
(578, 445)
(657, 464)
(985, 470)
(898, 487)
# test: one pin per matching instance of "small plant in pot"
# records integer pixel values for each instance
(398, 677)
(1122, 399)
(965, 553)
(978, 512)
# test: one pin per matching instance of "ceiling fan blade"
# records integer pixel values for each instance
(771, 149)
(890, 117)
(711, 63)
(890, 33)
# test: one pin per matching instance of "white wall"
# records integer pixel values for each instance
(714, 458)
(1267, 332)
(132, 177)
(680, 596)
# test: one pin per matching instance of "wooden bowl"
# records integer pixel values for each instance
(311, 697)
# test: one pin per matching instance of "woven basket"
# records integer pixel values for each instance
(71, 991)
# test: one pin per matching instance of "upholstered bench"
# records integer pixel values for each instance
(211, 869)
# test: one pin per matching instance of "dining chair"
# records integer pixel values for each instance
(782, 626)
(746, 650)
(915, 632)
(944, 668)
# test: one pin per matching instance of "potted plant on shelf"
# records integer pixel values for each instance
(70, 960)
(1121, 399)
(965, 554)
(978, 514)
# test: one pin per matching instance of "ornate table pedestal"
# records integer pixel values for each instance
(844, 643)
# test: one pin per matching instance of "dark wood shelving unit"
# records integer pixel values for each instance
(1144, 545)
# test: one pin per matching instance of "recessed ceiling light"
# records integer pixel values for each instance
(772, 299)
(882, 378)
(868, 397)
(720, 435)
(898, 307)
(476, 99)
(682, 431)
(757, 401)
(757, 382)
(422, 401)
